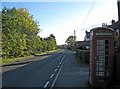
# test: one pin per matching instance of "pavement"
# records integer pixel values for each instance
(72, 73)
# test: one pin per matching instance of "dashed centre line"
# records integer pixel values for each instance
(52, 76)
(55, 69)
(56, 76)
(46, 84)
(60, 62)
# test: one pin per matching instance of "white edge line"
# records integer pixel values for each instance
(46, 84)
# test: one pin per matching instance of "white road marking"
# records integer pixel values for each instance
(60, 63)
(46, 84)
(52, 76)
(57, 74)
(55, 69)
(62, 60)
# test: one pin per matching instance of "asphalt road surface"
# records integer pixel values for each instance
(58, 70)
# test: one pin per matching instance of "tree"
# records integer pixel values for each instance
(19, 32)
(49, 43)
(52, 42)
(71, 40)
(28, 27)
(13, 43)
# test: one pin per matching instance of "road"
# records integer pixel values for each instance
(58, 70)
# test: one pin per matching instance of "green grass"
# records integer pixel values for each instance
(11, 60)
(39, 53)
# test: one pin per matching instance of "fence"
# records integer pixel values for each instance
(84, 55)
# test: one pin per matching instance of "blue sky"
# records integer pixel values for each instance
(62, 18)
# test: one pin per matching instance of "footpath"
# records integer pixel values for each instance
(73, 74)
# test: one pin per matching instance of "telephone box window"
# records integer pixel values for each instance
(102, 62)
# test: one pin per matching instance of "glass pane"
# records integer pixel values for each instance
(106, 41)
(106, 47)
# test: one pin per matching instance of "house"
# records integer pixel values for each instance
(86, 43)
(87, 40)
(80, 44)
(116, 27)
(87, 36)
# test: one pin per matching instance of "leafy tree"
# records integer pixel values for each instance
(30, 28)
(49, 43)
(71, 40)
(52, 42)
(37, 44)
(13, 43)
(19, 32)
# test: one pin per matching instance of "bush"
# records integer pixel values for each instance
(84, 55)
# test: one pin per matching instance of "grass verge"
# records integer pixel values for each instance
(12, 60)
(40, 53)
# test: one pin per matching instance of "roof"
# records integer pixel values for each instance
(87, 34)
(83, 43)
(115, 26)
(97, 28)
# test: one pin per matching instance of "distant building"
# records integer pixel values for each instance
(80, 44)
(87, 40)
(87, 36)
(116, 25)
(104, 24)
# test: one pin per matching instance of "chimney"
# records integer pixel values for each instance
(74, 33)
(118, 3)
(113, 22)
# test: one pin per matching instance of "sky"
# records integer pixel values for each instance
(62, 18)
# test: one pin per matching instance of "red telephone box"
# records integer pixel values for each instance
(101, 56)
